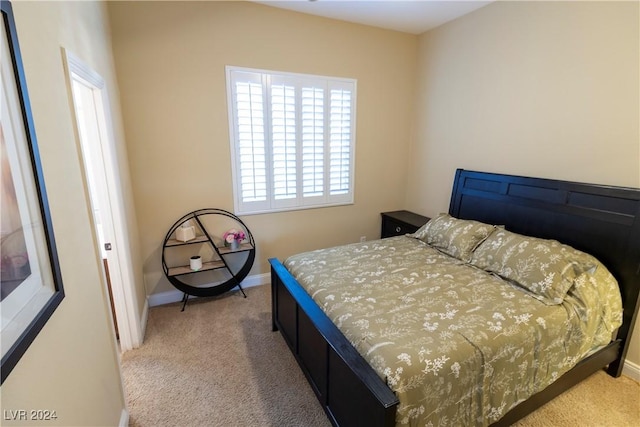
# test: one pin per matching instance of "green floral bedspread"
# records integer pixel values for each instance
(459, 346)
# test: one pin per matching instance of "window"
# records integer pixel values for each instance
(292, 140)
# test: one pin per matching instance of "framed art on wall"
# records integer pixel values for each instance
(30, 280)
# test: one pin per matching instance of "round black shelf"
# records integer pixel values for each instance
(221, 254)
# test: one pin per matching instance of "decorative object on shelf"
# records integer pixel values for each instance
(228, 261)
(233, 238)
(186, 232)
(195, 262)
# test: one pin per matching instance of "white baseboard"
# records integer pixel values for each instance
(124, 418)
(631, 370)
(169, 297)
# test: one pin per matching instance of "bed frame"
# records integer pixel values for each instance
(601, 220)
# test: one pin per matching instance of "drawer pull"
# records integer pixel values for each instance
(398, 229)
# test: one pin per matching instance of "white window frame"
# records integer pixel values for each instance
(268, 80)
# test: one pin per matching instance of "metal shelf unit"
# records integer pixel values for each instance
(221, 255)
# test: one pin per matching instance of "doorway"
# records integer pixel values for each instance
(94, 132)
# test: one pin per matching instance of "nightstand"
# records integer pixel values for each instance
(397, 223)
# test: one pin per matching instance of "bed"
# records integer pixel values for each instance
(600, 220)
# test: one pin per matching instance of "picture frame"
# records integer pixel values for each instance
(30, 280)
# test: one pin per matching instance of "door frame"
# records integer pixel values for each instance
(130, 324)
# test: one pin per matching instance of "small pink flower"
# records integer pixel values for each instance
(234, 234)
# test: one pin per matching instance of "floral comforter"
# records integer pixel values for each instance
(459, 346)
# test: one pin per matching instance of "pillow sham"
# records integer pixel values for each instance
(596, 298)
(547, 268)
(453, 236)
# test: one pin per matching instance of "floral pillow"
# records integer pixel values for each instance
(547, 268)
(453, 236)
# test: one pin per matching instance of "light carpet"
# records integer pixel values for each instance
(218, 364)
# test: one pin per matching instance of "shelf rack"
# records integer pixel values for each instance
(220, 261)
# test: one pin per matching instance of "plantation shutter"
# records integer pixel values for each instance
(340, 145)
(250, 148)
(312, 142)
(292, 140)
(284, 136)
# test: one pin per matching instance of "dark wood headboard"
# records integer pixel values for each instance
(601, 220)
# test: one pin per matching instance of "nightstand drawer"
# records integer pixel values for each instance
(397, 223)
(394, 228)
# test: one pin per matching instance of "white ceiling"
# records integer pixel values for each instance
(409, 16)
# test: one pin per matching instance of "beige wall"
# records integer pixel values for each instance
(72, 366)
(547, 89)
(170, 59)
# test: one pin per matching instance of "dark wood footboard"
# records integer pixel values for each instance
(349, 390)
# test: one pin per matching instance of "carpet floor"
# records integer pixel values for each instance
(218, 364)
